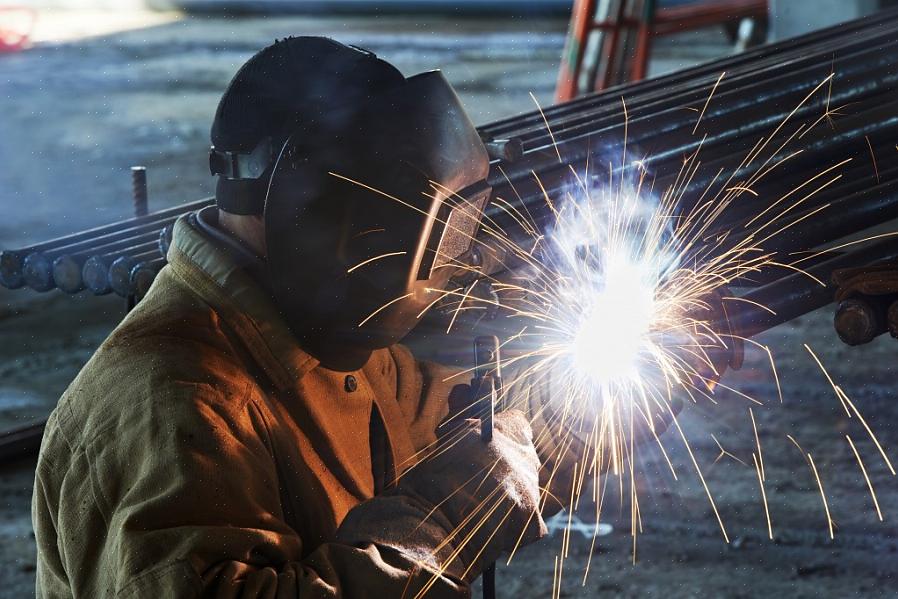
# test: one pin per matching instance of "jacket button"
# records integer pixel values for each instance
(350, 383)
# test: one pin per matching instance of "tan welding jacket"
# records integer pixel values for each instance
(201, 451)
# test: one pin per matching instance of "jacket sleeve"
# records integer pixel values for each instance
(192, 507)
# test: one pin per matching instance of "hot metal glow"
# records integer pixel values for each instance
(608, 299)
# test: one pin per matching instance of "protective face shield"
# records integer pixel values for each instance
(368, 209)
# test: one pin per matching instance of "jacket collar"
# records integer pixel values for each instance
(217, 272)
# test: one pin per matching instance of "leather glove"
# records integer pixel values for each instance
(442, 510)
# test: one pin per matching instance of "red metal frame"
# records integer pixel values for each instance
(649, 25)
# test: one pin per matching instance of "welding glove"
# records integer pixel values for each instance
(463, 506)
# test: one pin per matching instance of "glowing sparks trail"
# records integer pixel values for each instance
(847, 403)
(384, 307)
(760, 456)
(375, 258)
(708, 101)
(860, 463)
(763, 495)
(829, 519)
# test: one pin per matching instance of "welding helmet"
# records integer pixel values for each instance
(370, 195)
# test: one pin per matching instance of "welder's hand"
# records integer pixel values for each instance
(481, 498)
(470, 477)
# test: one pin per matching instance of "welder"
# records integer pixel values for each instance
(252, 428)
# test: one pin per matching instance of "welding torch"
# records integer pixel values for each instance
(486, 385)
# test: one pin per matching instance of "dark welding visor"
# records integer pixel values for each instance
(378, 200)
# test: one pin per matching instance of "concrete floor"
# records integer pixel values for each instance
(77, 115)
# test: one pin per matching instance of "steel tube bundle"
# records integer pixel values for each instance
(97, 268)
(703, 74)
(874, 118)
(797, 294)
(67, 268)
(757, 93)
(866, 31)
(40, 267)
(34, 265)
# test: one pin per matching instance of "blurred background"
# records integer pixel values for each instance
(89, 88)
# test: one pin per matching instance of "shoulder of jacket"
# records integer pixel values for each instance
(165, 360)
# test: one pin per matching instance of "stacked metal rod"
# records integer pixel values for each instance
(760, 89)
(749, 102)
(849, 122)
(530, 127)
(85, 260)
(796, 294)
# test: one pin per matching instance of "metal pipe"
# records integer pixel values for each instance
(37, 272)
(67, 268)
(797, 294)
(859, 320)
(66, 273)
(96, 268)
(507, 150)
(12, 262)
(21, 441)
(121, 267)
(143, 275)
